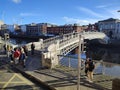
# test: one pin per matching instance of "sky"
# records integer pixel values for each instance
(58, 12)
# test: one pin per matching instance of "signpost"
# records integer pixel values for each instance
(79, 63)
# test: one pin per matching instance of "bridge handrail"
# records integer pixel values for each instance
(70, 38)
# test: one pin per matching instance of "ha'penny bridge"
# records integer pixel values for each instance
(53, 47)
(62, 75)
(52, 50)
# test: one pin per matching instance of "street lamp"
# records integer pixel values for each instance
(118, 11)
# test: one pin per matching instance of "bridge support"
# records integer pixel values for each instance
(49, 56)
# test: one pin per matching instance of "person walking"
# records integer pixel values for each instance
(86, 67)
(90, 70)
(5, 48)
(16, 55)
(8, 50)
(32, 48)
(22, 57)
(25, 50)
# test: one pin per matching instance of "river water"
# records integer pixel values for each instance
(109, 55)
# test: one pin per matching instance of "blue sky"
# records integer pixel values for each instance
(58, 12)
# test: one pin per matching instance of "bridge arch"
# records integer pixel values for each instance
(62, 45)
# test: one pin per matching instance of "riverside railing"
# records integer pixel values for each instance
(101, 67)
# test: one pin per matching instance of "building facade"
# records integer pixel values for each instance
(117, 31)
(109, 26)
(37, 29)
(91, 27)
(57, 30)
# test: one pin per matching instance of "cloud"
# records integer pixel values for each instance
(79, 21)
(29, 14)
(16, 1)
(90, 12)
(106, 5)
(102, 6)
(113, 13)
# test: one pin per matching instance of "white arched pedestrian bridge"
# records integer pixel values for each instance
(62, 45)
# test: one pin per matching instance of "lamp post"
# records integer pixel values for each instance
(79, 63)
(118, 11)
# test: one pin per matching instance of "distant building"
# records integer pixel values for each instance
(90, 27)
(37, 29)
(11, 28)
(23, 28)
(117, 31)
(109, 26)
(56, 30)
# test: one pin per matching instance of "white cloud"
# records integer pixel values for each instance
(90, 12)
(16, 1)
(102, 6)
(29, 14)
(113, 13)
(110, 10)
(105, 6)
(79, 21)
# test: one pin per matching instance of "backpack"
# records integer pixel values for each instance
(91, 66)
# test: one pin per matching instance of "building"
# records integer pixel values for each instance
(117, 31)
(23, 28)
(109, 26)
(37, 29)
(90, 27)
(57, 30)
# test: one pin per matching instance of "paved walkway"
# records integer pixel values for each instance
(61, 78)
(10, 80)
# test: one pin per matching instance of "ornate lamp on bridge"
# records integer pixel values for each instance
(118, 11)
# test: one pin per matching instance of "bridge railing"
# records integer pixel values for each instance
(66, 40)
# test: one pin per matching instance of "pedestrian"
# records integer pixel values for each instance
(11, 55)
(86, 67)
(22, 57)
(16, 56)
(5, 48)
(90, 70)
(8, 48)
(32, 48)
(25, 50)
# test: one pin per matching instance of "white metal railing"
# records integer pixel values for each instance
(67, 40)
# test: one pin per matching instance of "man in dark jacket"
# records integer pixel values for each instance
(32, 48)
(90, 70)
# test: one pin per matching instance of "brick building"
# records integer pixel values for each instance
(56, 30)
(37, 29)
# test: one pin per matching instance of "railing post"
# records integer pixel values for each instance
(103, 68)
(69, 62)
